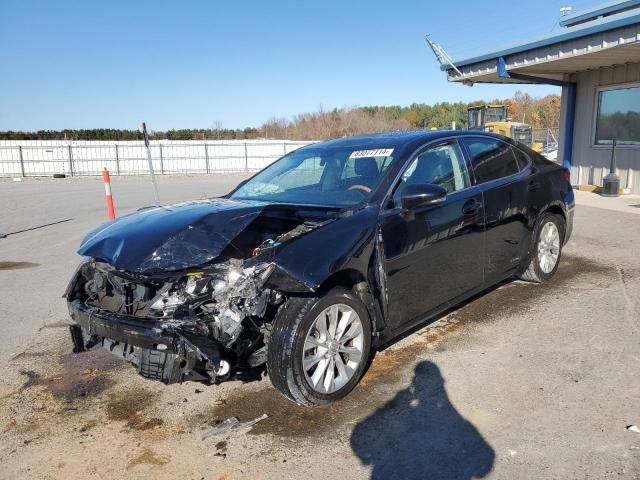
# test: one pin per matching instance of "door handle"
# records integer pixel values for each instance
(471, 207)
(533, 185)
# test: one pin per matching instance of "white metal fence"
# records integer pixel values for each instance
(30, 158)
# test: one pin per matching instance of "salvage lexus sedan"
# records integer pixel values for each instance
(319, 259)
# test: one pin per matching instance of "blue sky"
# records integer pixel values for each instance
(188, 64)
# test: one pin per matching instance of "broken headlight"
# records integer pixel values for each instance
(197, 285)
(167, 300)
(223, 297)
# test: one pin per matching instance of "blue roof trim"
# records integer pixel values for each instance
(607, 8)
(603, 24)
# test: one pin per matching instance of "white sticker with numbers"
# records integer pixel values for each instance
(379, 152)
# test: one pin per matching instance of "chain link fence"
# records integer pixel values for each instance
(45, 158)
(547, 139)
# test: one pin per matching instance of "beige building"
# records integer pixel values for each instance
(595, 58)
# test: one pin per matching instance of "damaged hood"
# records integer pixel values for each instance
(171, 237)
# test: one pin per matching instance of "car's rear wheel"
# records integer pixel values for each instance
(549, 235)
(319, 347)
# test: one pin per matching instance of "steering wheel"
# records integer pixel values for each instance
(362, 188)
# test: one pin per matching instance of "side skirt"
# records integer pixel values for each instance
(391, 336)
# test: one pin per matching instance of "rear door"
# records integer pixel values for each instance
(433, 253)
(504, 183)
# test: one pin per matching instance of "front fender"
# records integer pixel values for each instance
(347, 243)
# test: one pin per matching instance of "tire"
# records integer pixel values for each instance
(298, 323)
(538, 271)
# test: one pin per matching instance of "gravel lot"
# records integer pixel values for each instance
(524, 381)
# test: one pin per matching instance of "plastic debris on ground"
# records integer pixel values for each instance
(229, 424)
(633, 428)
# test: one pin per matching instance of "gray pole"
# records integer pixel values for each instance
(117, 160)
(21, 160)
(612, 167)
(70, 160)
(246, 158)
(161, 160)
(153, 176)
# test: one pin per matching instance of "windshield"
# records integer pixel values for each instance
(316, 175)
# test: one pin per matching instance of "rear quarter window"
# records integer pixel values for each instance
(491, 159)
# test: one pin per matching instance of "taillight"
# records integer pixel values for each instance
(567, 175)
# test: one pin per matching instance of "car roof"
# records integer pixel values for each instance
(400, 138)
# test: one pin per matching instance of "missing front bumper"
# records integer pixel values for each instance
(158, 354)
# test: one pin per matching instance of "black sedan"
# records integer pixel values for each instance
(319, 259)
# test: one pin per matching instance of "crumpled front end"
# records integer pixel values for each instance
(177, 327)
(204, 322)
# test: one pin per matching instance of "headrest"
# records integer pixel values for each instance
(431, 165)
(366, 167)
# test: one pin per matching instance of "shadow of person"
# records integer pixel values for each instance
(420, 434)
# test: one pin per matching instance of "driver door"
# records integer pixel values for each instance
(434, 253)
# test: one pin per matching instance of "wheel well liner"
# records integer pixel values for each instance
(355, 281)
(556, 209)
(347, 278)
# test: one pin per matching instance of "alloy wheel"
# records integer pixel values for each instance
(548, 247)
(333, 348)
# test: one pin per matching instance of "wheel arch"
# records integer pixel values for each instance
(347, 278)
(355, 281)
(555, 209)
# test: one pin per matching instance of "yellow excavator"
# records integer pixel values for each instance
(495, 118)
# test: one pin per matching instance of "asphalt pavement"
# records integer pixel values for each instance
(523, 381)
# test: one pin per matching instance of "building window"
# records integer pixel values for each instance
(618, 116)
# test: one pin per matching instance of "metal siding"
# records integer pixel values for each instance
(602, 49)
(566, 35)
(591, 164)
(607, 8)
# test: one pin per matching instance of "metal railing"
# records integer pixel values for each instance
(46, 158)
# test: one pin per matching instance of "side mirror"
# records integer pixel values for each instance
(420, 194)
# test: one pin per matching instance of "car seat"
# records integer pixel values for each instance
(366, 170)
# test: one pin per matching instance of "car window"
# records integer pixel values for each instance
(491, 159)
(442, 165)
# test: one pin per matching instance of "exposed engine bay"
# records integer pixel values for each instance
(206, 322)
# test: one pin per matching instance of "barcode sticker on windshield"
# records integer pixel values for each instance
(379, 152)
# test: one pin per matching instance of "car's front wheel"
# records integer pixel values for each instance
(319, 347)
(548, 235)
